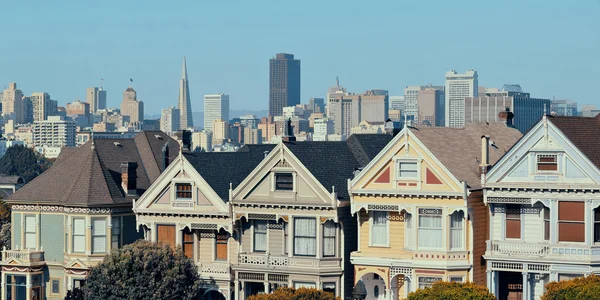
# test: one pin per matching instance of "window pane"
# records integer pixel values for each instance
(407, 169)
(284, 182)
(30, 223)
(329, 238)
(547, 167)
(260, 235)
(513, 229)
(78, 226)
(79, 243)
(571, 211)
(571, 232)
(99, 244)
(99, 227)
(55, 286)
(30, 241)
(379, 233)
(221, 250)
(184, 190)
(305, 236)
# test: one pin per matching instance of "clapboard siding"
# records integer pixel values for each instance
(532, 223)
(246, 230)
(497, 224)
(275, 236)
(480, 235)
(206, 246)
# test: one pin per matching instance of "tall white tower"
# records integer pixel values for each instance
(459, 86)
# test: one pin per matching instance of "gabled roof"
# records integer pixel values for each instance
(459, 149)
(583, 132)
(91, 174)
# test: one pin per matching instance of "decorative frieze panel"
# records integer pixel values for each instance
(81, 210)
(274, 226)
(20, 269)
(280, 278)
(214, 268)
(203, 226)
(429, 280)
(400, 271)
(210, 235)
(382, 207)
(508, 200)
(270, 217)
(251, 276)
(430, 211)
(507, 266)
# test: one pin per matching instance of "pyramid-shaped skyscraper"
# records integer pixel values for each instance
(184, 104)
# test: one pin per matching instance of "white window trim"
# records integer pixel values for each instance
(105, 235)
(387, 225)
(174, 183)
(559, 163)
(396, 177)
(462, 230)
(85, 225)
(462, 278)
(274, 182)
(266, 236)
(317, 237)
(35, 232)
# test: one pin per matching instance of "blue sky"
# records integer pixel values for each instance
(61, 47)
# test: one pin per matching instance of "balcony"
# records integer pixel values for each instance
(553, 252)
(215, 270)
(25, 257)
(279, 261)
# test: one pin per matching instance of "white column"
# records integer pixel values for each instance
(553, 221)
(290, 236)
(319, 238)
(236, 292)
(241, 295)
(358, 230)
(4, 287)
(153, 231)
(490, 282)
(525, 285)
(589, 222)
(28, 286)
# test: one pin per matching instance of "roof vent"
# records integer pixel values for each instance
(266, 153)
(158, 136)
(117, 144)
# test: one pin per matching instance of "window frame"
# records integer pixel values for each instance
(397, 174)
(218, 242)
(276, 188)
(452, 278)
(430, 212)
(115, 231)
(455, 230)
(329, 237)
(178, 191)
(409, 232)
(52, 280)
(254, 232)
(186, 232)
(372, 225)
(596, 220)
(580, 222)
(541, 156)
(315, 250)
(427, 281)
(95, 235)
(74, 235)
(506, 219)
(26, 232)
(547, 224)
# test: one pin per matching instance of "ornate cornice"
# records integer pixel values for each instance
(69, 209)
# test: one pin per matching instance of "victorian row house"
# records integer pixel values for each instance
(543, 198)
(69, 217)
(264, 217)
(419, 208)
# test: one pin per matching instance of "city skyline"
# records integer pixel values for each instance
(154, 64)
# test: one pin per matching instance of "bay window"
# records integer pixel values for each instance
(430, 228)
(571, 226)
(305, 236)
(78, 235)
(329, 239)
(456, 230)
(379, 228)
(98, 235)
(408, 232)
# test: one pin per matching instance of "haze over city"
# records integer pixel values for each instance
(549, 47)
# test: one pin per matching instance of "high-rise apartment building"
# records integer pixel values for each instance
(411, 104)
(345, 111)
(374, 106)
(216, 107)
(458, 87)
(431, 106)
(184, 103)
(78, 108)
(27, 110)
(132, 107)
(202, 141)
(96, 98)
(43, 106)
(12, 103)
(54, 132)
(284, 83)
(397, 103)
(322, 128)
(564, 107)
(220, 131)
(170, 120)
(252, 135)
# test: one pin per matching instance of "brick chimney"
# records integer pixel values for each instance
(129, 177)
(484, 166)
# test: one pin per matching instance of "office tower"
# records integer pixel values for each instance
(284, 83)
(431, 105)
(252, 135)
(411, 106)
(131, 107)
(220, 131)
(397, 103)
(216, 107)
(12, 103)
(589, 111)
(249, 121)
(374, 106)
(564, 107)
(78, 108)
(184, 103)
(96, 98)
(317, 105)
(170, 120)
(395, 115)
(322, 128)
(527, 111)
(54, 132)
(27, 110)
(101, 98)
(344, 110)
(43, 106)
(202, 141)
(458, 87)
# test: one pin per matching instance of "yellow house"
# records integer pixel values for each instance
(419, 208)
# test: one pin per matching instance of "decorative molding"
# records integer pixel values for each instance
(407, 272)
(429, 279)
(274, 226)
(67, 209)
(255, 216)
(383, 207)
(509, 200)
(203, 226)
(283, 164)
(74, 272)
(430, 211)
(18, 269)
(207, 235)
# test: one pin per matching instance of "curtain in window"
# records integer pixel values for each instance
(98, 235)
(456, 230)
(78, 235)
(260, 235)
(430, 231)
(30, 229)
(408, 232)
(379, 234)
(329, 238)
(305, 236)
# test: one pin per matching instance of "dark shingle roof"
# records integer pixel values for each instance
(10, 179)
(91, 176)
(583, 132)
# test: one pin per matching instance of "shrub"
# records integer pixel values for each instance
(452, 291)
(582, 288)
(286, 293)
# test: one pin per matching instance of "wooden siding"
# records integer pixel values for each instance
(396, 236)
(52, 237)
(480, 235)
(497, 223)
(246, 231)
(533, 220)
(275, 236)
(206, 245)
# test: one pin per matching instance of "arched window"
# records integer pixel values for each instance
(456, 230)
(376, 291)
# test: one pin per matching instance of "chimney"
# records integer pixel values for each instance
(129, 177)
(185, 136)
(485, 154)
(508, 116)
(288, 135)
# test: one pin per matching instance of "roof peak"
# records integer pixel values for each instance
(184, 70)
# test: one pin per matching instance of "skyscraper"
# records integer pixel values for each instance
(374, 106)
(284, 83)
(43, 106)
(216, 107)
(564, 107)
(459, 86)
(397, 103)
(96, 98)
(132, 107)
(431, 103)
(344, 110)
(170, 120)
(101, 98)
(12, 103)
(184, 104)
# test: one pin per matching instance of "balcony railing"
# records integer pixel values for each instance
(214, 268)
(560, 252)
(275, 261)
(24, 256)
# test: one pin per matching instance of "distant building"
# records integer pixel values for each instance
(132, 107)
(564, 107)
(96, 98)
(25, 134)
(317, 105)
(220, 130)
(202, 141)
(12, 103)
(184, 102)
(431, 106)
(27, 110)
(284, 83)
(589, 111)
(5, 144)
(250, 121)
(322, 129)
(344, 110)
(216, 107)
(78, 108)
(458, 87)
(395, 115)
(397, 103)
(169, 120)
(268, 128)
(411, 104)
(104, 127)
(252, 136)
(43, 106)
(527, 111)
(54, 132)
(369, 128)
(374, 106)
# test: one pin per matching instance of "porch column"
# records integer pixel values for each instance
(241, 295)
(266, 283)
(525, 285)
(152, 232)
(3, 297)
(589, 222)
(358, 230)
(388, 294)
(236, 293)
(490, 281)
(28, 286)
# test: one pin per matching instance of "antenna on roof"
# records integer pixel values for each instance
(337, 81)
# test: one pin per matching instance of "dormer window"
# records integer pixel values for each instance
(407, 170)
(284, 182)
(183, 191)
(547, 162)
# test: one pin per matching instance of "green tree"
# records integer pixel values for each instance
(143, 270)
(582, 288)
(452, 291)
(74, 294)
(24, 162)
(286, 293)
(4, 224)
